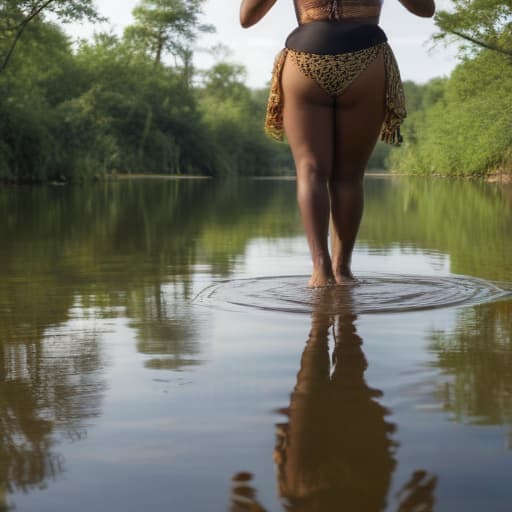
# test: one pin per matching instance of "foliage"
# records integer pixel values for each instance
(379, 160)
(464, 126)
(16, 15)
(481, 23)
(105, 107)
(167, 26)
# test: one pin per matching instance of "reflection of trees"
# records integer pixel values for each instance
(132, 246)
(50, 387)
(165, 328)
(477, 356)
(336, 451)
(470, 221)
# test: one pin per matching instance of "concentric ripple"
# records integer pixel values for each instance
(371, 294)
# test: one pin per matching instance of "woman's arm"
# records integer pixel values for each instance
(251, 11)
(423, 8)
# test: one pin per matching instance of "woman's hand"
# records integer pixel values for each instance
(423, 8)
(251, 11)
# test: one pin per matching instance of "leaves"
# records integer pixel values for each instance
(479, 23)
(16, 15)
(167, 26)
(465, 125)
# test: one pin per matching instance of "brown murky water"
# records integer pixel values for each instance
(159, 351)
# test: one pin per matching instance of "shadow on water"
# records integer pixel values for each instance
(336, 451)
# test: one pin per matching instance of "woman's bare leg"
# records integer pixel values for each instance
(359, 117)
(309, 118)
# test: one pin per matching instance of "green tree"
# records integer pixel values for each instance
(17, 15)
(465, 125)
(167, 26)
(481, 23)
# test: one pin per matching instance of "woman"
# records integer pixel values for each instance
(336, 87)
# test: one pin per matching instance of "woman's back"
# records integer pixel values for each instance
(337, 10)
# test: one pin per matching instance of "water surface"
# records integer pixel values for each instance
(122, 388)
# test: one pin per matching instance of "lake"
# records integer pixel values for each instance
(160, 351)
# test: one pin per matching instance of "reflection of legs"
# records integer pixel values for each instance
(309, 122)
(359, 116)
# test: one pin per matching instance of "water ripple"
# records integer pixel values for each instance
(374, 293)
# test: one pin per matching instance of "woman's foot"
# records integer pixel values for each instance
(343, 275)
(322, 276)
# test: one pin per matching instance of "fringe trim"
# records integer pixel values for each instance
(395, 100)
(274, 120)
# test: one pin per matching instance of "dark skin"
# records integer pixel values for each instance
(336, 450)
(331, 141)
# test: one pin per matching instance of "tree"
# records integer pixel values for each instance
(167, 26)
(481, 23)
(16, 15)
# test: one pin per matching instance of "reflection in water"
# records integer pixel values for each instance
(127, 250)
(336, 451)
(477, 358)
(49, 390)
(138, 251)
(130, 249)
(470, 221)
(165, 329)
(243, 494)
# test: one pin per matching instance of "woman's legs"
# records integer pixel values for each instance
(331, 141)
(309, 118)
(359, 117)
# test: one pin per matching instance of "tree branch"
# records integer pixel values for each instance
(21, 28)
(488, 46)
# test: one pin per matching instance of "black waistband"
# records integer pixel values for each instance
(332, 37)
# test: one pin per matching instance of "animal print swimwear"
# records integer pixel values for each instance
(334, 73)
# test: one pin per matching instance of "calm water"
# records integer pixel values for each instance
(159, 351)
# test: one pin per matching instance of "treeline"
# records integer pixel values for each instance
(113, 105)
(116, 105)
(461, 125)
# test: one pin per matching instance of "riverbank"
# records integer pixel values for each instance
(502, 178)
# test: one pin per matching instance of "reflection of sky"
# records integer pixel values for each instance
(289, 256)
(255, 48)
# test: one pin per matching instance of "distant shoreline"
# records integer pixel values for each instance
(157, 176)
(500, 178)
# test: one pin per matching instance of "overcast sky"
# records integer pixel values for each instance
(256, 47)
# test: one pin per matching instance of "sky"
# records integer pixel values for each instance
(255, 48)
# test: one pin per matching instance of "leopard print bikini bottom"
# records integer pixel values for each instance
(334, 73)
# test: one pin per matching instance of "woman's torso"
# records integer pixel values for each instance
(336, 26)
(365, 11)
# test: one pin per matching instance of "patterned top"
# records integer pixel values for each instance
(336, 10)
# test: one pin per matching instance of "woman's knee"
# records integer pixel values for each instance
(352, 179)
(310, 171)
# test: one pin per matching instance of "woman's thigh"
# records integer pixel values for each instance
(359, 116)
(309, 122)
